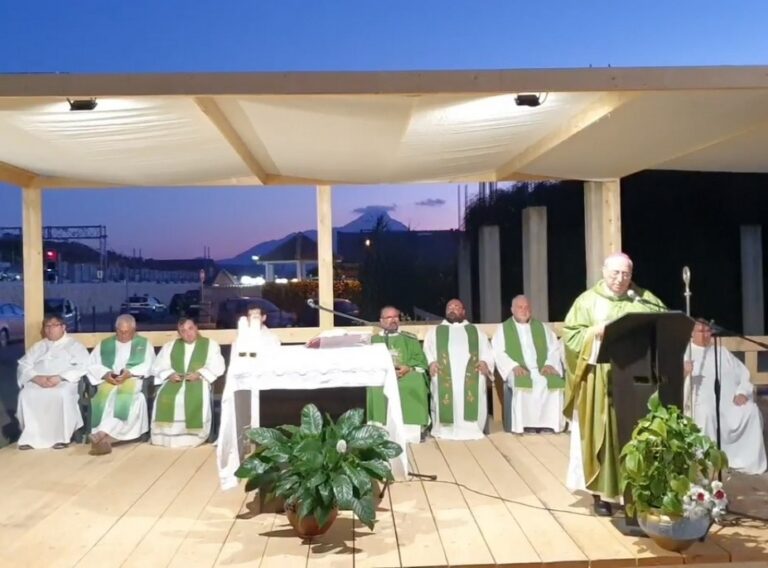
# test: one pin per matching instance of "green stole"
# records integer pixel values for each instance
(193, 391)
(126, 390)
(445, 381)
(514, 349)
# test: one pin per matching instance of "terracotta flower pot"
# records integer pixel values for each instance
(307, 527)
(673, 533)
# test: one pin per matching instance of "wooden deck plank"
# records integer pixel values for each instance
(417, 536)
(460, 535)
(283, 547)
(124, 536)
(549, 539)
(247, 539)
(206, 538)
(49, 485)
(336, 547)
(82, 521)
(502, 533)
(164, 538)
(644, 549)
(597, 542)
(377, 548)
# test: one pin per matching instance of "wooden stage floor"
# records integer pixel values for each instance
(498, 501)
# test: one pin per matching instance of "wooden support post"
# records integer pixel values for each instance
(602, 224)
(32, 231)
(325, 254)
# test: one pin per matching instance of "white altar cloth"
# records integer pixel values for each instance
(296, 367)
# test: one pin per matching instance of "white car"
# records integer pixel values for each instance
(11, 323)
(144, 307)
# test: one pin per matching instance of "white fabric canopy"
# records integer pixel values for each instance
(363, 128)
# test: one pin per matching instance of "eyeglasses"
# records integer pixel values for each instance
(615, 273)
(49, 325)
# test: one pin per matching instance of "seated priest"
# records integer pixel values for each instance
(529, 360)
(48, 375)
(410, 367)
(741, 425)
(185, 368)
(460, 362)
(118, 367)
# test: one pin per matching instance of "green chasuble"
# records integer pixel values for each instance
(588, 387)
(126, 390)
(445, 378)
(414, 386)
(514, 350)
(193, 390)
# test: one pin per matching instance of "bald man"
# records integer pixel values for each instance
(594, 456)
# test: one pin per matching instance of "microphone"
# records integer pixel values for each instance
(311, 304)
(686, 276)
(632, 295)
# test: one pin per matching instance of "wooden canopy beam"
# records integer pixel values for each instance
(213, 111)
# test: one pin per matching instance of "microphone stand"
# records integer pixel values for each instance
(687, 294)
(312, 304)
(718, 332)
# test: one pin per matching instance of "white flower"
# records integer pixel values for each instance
(341, 447)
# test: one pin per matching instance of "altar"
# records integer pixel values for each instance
(296, 367)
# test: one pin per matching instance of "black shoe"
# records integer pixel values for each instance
(602, 508)
(60, 446)
(25, 447)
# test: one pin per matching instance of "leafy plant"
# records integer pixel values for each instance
(667, 460)
(318, 467)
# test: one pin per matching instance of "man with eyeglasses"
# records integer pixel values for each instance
(410, 366)
(594, 455)
(741, 426)
(48, 375)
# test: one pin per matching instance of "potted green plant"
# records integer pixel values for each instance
(319, 468)
(669, 469)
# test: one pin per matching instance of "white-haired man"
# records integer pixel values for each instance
(118, 367)
(528, 358)
(594, 463)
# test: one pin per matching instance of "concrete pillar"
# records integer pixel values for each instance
(490, 274)
(602, 224)
(535, 278)
(752, 280)
(465, 273)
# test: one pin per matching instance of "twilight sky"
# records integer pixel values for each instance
(292, 35)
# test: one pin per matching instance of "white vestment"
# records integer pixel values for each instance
(741, 427)
(537, 407)
(458, 349)
(137, 422)
(176, 435)
(50, 416)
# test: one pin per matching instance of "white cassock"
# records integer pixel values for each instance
(50, 416)
(741, 427)
(137, 422)
(458, 349)
(176, 435)
(538, 407)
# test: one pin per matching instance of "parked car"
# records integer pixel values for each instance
(185, 303)
(144, 307)
(230, 311)
(310, 317)
(11, 324)
(66, 310)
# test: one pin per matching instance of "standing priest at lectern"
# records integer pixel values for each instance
(594, 455)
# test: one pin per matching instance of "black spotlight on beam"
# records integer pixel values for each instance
(82, 104)
(527, 100)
